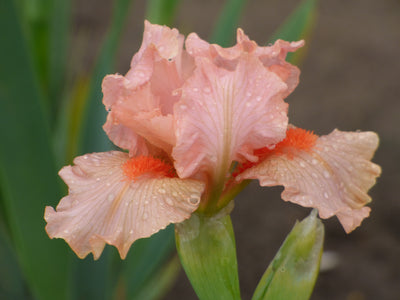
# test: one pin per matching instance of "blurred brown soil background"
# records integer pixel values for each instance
(350, 81)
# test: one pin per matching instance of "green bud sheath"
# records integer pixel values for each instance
(294, 270)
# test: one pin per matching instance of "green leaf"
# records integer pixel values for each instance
(93, 137)
(27, 171)
(294, 270)
(12, 285)
(298, 26)
(145, 259)
(225, 29)
(160, 282)
(161, 11)
(59, 23)
(207, 250)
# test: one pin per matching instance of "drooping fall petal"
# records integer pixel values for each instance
(116, 201)
(333, 174)
(225, 114)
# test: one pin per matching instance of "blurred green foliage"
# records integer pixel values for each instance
(45, 123)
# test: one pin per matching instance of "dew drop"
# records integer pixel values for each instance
(66, 231)
(314, 175)
(194, 199)
(326, 174)
(162, 191)
(146, 202)
(314, 161)
(110, 197)
(258, 99)
(183, 106)
(169, 201)
(131, 231)
(326, 195)
(195, 89)
(98, 179)
(248, 104)
(302, 164)
(85, 157)
(108, 184)
(175, 194)
(248, 94)
(145, 216)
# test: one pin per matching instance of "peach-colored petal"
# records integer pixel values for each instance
(223, 115)
(273, 58)
(141, 103)
(104, 206)
(334, 176)
(168, 42)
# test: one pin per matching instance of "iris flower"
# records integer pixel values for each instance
(196, 123)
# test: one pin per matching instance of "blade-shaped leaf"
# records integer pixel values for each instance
(298, 26)
(207, 250)
(144, 261)
(225, 29)
(161, 11)
(93, 138)
(294, 270)
(27, 172)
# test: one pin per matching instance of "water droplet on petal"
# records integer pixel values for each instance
(110, 197)
(314, 161)
(169, 201)
(194, 199)
(175, 194)
(145, 216)
(302, 164)
(195, 89)
(326, 195)
(326, 174)
(85, 157)
(314, 175)
(258, 99)
(162, 191)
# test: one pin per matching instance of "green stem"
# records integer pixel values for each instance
(207, 250)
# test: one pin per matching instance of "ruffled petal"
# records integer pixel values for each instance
(273, 57)
(334, 175)
(223, 115)
(141, 103)
(105, 206)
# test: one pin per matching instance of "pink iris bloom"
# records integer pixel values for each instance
(197, 121)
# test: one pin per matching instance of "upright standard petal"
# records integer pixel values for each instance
(223, 115)
(140, 104)
(272, 57)
(332, 173)
(116, 200)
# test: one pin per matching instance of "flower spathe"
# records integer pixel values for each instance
(197, 119)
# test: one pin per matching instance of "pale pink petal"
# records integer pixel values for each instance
(141, 103)
(168, 42)
(273, 57)
(224, 115)
(334, 176)
(104, 206)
